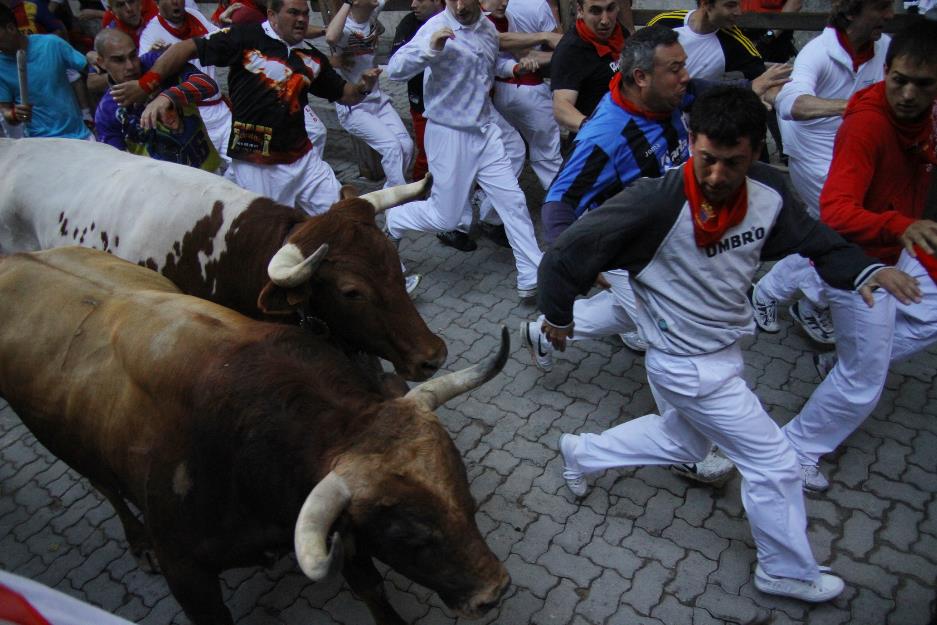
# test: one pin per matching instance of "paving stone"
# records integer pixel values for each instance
(603, 597)
(905, 564)
(647, 587)
(669, 610)
(870, 609)
(562, 564)
(579, 530)
(697, 506)
(659, 512)
(913, 603)
(537, 578)
(865, 575)
(731, 608)
(900, 527)
(626, 615)
(537, 539)
(559, 605)
(691, 577)
(821, 540)
(699, 539)
(859, 534)
(607, 556)
(647, 546)
(735, 569)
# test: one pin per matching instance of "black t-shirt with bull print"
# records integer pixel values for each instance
(268, 84)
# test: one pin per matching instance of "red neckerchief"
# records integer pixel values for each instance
(191, 27)
(16, 609)
(614, 88)
(501, 23)
(711, 222)
(860, 56)
(611, 47)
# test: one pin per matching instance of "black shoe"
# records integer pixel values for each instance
(495, 233)
(457, 239)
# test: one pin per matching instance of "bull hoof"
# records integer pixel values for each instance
(146, 559)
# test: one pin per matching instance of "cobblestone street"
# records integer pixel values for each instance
(644, 547)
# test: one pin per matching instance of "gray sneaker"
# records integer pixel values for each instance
(411, 282)
(634, 341)
(575, 479)
(824, 588)
(814, 480)
(714, 470)
(824, 362)
(815, 322)
(766, 311)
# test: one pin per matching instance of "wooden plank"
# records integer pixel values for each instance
(782, 21)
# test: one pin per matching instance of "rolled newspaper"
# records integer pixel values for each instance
(21, 69)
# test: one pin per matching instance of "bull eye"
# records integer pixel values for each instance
(353, 294)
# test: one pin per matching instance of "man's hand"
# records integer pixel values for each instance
(775, 76)
(225, 17)
(898, 283)
(369, 77)
(437, 40)
(23, 113)
(527, 65)
(601, 282)
(127, 93)
(557, 336)
(922, 233)
(161, 109)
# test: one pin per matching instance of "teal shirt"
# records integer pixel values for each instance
(55, 109)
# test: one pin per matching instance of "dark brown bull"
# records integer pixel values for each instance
(215, 240)
(235, 437)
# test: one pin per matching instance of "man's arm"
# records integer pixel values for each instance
(811, 107)
(516, 42)
(194, 87)
(417, 54)
(169, 64)
(798, 99)
(565, 111)
(333, 34)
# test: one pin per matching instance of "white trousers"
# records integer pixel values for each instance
(529, 108)
(702, 399)
(607, 313)
(217, 120)
(457, 159)
(377, 123)
(868, 340)
(514, 148)
(315, 130)
(791, 274)
(308, 183)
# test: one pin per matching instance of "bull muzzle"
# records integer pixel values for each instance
(383, 199)
(486, 599)
(435, 393)
(289, 268)
(324, 504)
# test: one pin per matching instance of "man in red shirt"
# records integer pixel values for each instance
(883, 164)
(130, 16)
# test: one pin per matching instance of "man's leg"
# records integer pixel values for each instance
(850, 392)
(498, 180)
(315, 130)
(529, 108)
(217, 119)
(365, 122)
(915, 324)
(317, 187)
(453, 161)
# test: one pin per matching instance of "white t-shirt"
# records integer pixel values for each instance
(530, 16)
(355, 41)
(704, 56)
(155, 34)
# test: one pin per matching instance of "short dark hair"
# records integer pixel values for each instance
(275, 5)
(727, 114)
(842, 10)
(6, 16)
(638, 52)
(917, 42)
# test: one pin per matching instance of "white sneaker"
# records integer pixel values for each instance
(411, 282)
(541, 350)
(814, 480)
(575, 480)
(715, 469)
(816, 323)
(824, 588)
(766, 311)
(634, 341)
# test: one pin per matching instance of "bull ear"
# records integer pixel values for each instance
(275, 300)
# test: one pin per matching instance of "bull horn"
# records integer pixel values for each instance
(289, 268)
(323, 505)
(435, 393)
(394, 196)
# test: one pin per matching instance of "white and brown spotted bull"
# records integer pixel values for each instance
(235, 437)
(215, 240)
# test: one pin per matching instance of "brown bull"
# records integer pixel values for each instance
(215, 240)
(235, 437)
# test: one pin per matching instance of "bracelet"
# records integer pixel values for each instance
(150, 81)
